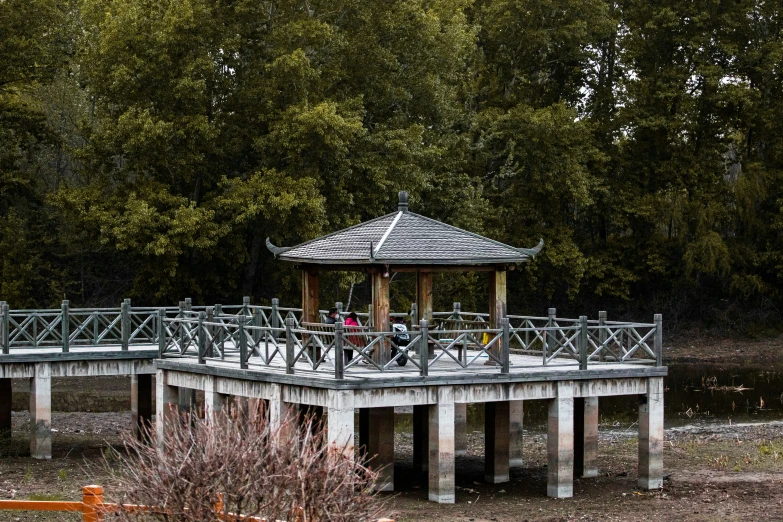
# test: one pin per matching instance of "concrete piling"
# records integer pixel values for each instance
(516, 435)
(380, 446)
(460, 428)
(340, 422)
(6, 396)
(421, 438)
(586, 437)
(41, 412)
(141, 403)
(166, 405)
(560, 443)
(441, 447)
(214, 402)
(651, 435)
(496, 442)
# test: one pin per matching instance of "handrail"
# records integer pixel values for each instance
(93, 508)
(271, 335)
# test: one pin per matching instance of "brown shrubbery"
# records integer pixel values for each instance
(278, 474)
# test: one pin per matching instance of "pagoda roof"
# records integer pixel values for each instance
(404, 238)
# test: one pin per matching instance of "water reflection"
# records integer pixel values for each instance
(693, 394)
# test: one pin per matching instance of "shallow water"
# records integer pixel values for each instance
(693, 394)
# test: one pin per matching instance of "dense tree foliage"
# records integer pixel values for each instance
(148, 147)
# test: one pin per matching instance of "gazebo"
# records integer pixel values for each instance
(403, 241)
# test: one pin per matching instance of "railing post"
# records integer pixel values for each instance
(505, 346)
(339, 361)
(289, 345)
(582, 344)
(414, 314)
(602, 333)
(218, 310)
(65, 324)
(210, 317)
(161, 331)
(274, 320)
(424, 349)
(201, 344)
(369, 317)
(188, 304)
(242, 342)
(246, 305)
(92, 500)
(5, 325)
(550, 335)
(339, 306)
(125, 324)
(658, 340)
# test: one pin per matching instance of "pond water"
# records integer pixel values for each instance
(693, 394)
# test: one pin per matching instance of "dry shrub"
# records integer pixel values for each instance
(278, 474)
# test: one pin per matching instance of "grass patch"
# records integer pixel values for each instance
(46, 497)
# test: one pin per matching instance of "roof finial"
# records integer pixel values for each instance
(403, 204)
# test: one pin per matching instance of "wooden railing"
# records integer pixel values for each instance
(459, 340)
(277, 336)
(93, 508)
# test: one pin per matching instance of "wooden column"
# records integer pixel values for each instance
(310, 294)
(424, 299)
(310, 302)
(497, 304)
(424, 295)
(380, 314)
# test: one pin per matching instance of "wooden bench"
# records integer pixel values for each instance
(353, 339)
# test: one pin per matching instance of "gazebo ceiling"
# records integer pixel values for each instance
(404, 238)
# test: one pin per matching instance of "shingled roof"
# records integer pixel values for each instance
(404, 238)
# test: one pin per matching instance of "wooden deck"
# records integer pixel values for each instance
(79, 353)
(523, 368)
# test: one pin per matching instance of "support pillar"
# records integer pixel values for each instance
(6, 396)
(282, 415)
(340, 423)
(166, 406)
(364, 432)
(460, 429)
(496, 442)
(141, 404)
(187, 400)
(421, 438)
(651, 435)
(497, 306)
(560, 443)
(41, 412)
(380, 314)
(516, 435)
(380, 446)
(586, 437)
(214, 403)
(441, 435)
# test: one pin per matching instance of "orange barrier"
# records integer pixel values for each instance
(93, 508)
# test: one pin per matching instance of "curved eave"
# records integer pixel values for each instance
(408, 262)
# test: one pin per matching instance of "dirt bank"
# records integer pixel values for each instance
(714, 472)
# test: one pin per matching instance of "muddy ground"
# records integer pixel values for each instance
(714, 471)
